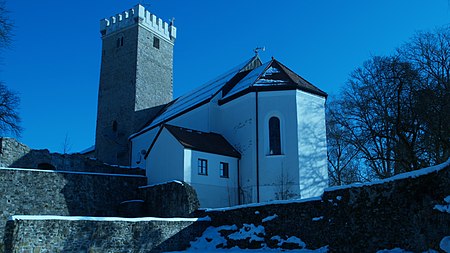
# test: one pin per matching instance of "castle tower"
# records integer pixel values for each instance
(135, 78)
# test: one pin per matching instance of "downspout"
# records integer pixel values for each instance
(239, 181)
(257, 147)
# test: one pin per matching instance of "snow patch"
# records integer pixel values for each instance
(395, 250)
(271, 71)
(210, 239)
(151, 185)
(292, 240)
(132, 201)
(73, 172)
(249, 231)
(317, 218)
(88, 218)
(274, 202)
(339, 198)
(269, 218)
(444, 208)
(213, 241)
(445, 244)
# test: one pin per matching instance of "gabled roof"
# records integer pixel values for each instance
(200, 141)
(272, 75)
(250, 76)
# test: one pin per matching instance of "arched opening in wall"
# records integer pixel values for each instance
(46, 166)
(114, 126)
(274, 136)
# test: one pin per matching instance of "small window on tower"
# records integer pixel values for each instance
(156, 42)
(119, 42)
(114, 126)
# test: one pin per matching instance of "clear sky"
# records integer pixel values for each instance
(54, 62)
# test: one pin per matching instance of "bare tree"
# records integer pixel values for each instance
(376, 112)
(9, 101)
(9, 116)
(342, 155)
(66, 145)
(6, 26)
(429, 52)
(284, 186)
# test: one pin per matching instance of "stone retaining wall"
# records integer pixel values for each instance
(33, 192)
(395, 214)
(100, 236)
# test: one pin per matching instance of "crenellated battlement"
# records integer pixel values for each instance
(138, 15)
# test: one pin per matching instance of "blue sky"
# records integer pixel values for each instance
(54, 62)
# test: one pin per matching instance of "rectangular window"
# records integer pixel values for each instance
(202, 167)
(224, 171)
(156, 42)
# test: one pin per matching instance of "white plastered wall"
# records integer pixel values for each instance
(212, 190)
(278, 174)
(236, 122)
(140, 145)
(312, 144)
(166, 160)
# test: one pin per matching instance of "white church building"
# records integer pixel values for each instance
(255, 133)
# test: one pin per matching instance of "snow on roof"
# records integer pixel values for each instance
(412, 174)
(200, 95)
(87, 150)
(247, 81)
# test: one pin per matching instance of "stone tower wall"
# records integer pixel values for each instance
(135, 78)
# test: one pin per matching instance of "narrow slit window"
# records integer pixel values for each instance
(114, 126)
(274, 136)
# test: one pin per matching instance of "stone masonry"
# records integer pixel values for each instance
(135, 79)
(400, 213)
(14, 154)
(40, 192)
(101, 236)
(408, 213)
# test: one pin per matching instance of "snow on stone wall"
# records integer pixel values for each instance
(409, 212)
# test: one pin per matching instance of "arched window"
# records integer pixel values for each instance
(274, 136)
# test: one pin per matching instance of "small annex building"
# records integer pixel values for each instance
(206, 161)
(255, 133)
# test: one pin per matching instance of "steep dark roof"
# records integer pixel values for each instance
(201, 141)
(270, 76)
